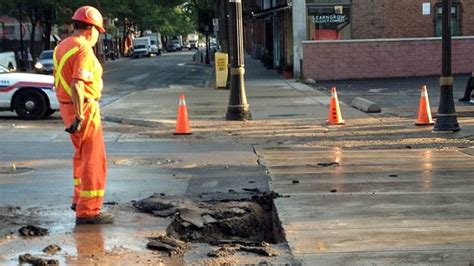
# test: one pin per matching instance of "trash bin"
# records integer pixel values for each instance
(221, 61)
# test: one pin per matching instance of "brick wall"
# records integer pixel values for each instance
(373, 19)
(383, 58)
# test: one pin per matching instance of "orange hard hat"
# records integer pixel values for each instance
(89, 15)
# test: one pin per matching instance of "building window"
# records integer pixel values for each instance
(455, 20)
(329, 21)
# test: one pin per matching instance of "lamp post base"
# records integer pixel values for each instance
(238, 113)
(446, 122)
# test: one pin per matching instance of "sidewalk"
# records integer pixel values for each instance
(269, 95)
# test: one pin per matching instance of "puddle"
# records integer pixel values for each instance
(145, 162)
(13, 170)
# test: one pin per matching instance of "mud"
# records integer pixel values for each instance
(245, 225)
(51, 249)
(171, 245)
(12, 217)
(229, 248)
(221, 252)
(263, 251)
(32, 230)
(37, 261)
(162, 205)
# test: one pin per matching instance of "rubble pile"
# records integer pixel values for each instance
(234, 225)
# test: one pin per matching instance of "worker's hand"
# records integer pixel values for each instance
(74, 127)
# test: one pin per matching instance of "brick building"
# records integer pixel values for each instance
(408, 18)
(308, 35)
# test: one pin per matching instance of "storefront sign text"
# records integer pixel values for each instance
(333, 18)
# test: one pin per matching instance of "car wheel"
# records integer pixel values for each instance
(30, 104)
(50, 112)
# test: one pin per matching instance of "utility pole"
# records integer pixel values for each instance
(447, 118)
(238, 108)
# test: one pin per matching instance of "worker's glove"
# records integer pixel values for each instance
(74, 127)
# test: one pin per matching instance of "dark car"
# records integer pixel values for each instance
(44, 64)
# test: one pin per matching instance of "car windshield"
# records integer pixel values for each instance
(139, 46)
(46, 55)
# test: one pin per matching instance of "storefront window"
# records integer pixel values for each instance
(328, 19)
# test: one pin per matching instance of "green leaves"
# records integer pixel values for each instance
(170, 17)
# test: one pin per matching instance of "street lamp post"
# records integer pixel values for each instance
(238, 108)
(446, 119)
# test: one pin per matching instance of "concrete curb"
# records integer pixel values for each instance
(136, 121)
(365, 105)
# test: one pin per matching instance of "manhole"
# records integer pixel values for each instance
(145, 162)
(13, 170)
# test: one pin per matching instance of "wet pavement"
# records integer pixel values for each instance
(377, 207)
(377, 190)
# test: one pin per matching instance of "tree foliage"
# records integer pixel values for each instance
(170, 17)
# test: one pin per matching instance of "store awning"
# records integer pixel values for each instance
(270, 11)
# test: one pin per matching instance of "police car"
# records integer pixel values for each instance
(31, 96)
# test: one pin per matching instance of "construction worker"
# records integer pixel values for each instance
(78, 81)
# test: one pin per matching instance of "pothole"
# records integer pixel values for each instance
(145, 162)
(13, 170)
(247, 225)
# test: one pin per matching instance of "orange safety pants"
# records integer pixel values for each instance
(89, 160)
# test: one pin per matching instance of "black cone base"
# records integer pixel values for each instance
(238, 114)
(446, 123)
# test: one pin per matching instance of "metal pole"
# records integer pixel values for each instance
(208, 61)
(446, 119)
(227, 40)
(238, 108)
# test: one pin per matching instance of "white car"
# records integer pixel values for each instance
(31, 96)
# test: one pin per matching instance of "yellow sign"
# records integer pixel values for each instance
(221, 62)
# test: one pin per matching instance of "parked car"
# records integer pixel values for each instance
(7, 59)
(174, 45)
(44, 64)
(31, 96)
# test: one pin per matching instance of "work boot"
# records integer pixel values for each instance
(73, 207)
(101, 218)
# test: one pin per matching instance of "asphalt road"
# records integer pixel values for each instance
(127, 75)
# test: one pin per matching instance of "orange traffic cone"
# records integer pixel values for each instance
(424, 110)
(182, 122)
(334, 116)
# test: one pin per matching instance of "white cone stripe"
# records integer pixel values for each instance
(424, 93)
